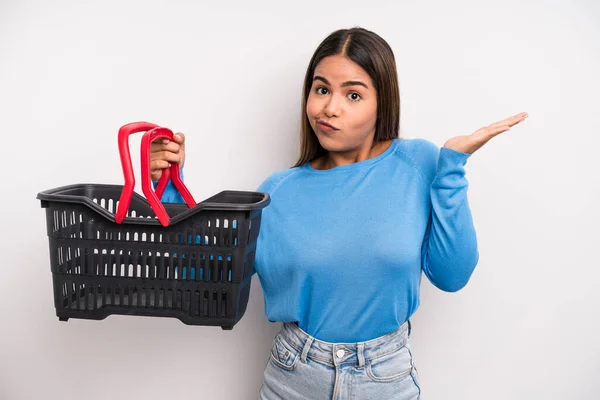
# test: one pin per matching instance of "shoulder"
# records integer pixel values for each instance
(275, 180)
(421, 154)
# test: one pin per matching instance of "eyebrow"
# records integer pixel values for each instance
(347, 83)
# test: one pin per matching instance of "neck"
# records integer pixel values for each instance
(367, 151)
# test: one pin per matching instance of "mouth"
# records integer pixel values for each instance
(325, 127)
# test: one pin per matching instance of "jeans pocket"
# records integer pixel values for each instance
(283, 355)
(391, 367)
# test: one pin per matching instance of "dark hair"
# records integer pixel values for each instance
(375, 56)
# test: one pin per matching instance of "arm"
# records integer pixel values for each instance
(450, 253)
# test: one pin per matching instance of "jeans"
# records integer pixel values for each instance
(303, 368)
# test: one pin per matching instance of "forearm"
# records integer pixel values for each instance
(450, 250)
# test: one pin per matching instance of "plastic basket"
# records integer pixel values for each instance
(151, 259)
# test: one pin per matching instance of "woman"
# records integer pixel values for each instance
(352, 226)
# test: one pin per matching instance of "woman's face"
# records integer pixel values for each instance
(342, 105)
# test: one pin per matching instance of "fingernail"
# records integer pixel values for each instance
(165, 141)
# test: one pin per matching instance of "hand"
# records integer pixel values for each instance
(473, 142)
(164, 152)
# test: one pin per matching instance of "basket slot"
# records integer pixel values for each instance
(145, 294)
(206, 303)
(131, 299)
(112, 296)
(170, 299)
(224, 307)
(195, 308)
(229, 241)
(253, 233)
(188, 302)
(87, 297)
(95, 304)
(78, 296)
(220, 238)
(185, 300)
(171, 273)
(215, 269)
(212, 240)
(229, 276)
(216, 304)
(177, 303)
(120, 291)
(105, 294)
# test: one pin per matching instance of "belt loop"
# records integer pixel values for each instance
(305, 349)
(360, 352)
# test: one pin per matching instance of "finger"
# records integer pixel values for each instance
(169, 146)
(505, 122)
(511, 121)
(166, 156)
(160, 140)
(179, 138)
(159, 164)
(491, 131)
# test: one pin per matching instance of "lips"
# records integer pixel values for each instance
(326, 127)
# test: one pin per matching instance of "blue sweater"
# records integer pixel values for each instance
(341, 251)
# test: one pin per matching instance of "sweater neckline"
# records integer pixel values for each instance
(357, 165)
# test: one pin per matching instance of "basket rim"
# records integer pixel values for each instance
(209, 204)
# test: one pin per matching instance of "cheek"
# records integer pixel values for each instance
(312, 107)
(365, 120)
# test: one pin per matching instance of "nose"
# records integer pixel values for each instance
(332, 108)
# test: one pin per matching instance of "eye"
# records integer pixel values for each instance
(354, 96)
(322, 90)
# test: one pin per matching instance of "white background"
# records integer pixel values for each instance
(230, 77)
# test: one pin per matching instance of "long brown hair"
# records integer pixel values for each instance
(375, 56)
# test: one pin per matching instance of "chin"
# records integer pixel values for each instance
(332, 143)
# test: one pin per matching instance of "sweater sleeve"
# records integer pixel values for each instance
(171, 194)
(265, 187)
(450, 251)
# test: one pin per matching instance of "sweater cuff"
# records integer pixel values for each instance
(450, 158)
(171, 194)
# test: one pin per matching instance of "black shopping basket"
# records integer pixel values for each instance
(114, 252)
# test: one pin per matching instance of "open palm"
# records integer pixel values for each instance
(473, 142)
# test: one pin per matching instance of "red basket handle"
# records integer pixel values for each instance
(154, 196)
(153, 132)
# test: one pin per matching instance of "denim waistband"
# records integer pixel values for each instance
(344, 353)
